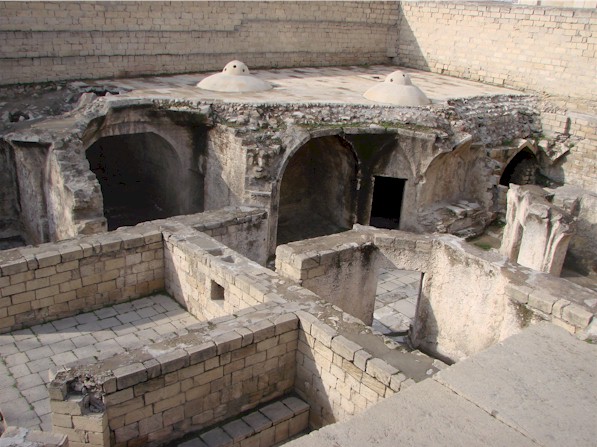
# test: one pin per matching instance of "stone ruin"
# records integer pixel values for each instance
(196, 260)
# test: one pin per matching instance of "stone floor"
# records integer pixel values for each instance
(329, 85)
(396, 301)
(27, 357)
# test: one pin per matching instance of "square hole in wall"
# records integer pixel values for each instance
(217, 292)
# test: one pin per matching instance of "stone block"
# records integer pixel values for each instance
(173, 361)
(73, 405)
(540, 300)
(201, 352)
(130, 375)
(262, 330)
(296, 405)
(277, 412)
(577, 315)
(518, 293)
(227, 342)
(323, 333)
(257, 421)
(381, 370)
(285, 323)
(96, 422)
(344, 347)
(217, 438)
(238, 430)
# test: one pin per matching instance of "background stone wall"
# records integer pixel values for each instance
(542, 49)
(46, 41)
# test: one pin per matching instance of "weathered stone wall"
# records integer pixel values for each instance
(343, 272)
(9, 206)
(168, 390)
(202, 276)
(576, 134)
(39, 284)
(337, 377)
(541, 49)
(57, 40)
(533, 48)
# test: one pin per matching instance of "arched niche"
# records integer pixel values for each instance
(317, 194)
(139, 175)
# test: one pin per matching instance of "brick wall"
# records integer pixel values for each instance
(173, 391)
(542, 49)
(39, 284)
(65, 40)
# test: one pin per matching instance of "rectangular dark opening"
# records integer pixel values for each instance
(387, 202)
(217, 292)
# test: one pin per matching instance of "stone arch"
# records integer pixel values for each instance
(521, 168)
(316, 188)
(159, 149)
(139, 177)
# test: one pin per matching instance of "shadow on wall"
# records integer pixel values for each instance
(409, 51)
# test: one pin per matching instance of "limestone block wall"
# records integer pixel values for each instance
(51, 281)
(243, 229)
(344, 273)
(336, 376)
(205, 277)
(169, 390)
(65, 40)
(542, 49)
(579, 131)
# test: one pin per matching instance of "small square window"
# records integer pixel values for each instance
(217, 292)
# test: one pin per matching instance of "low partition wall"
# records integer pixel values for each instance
(470, 299)
(51, 281)
(39, 284)
(162, 392)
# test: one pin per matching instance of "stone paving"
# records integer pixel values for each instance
(396, 301)
(27, 356)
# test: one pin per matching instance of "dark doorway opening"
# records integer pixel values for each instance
(522, 170)
(139, 176)
(387, 202)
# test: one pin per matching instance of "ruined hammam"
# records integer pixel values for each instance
(234, 78)
(397, 89)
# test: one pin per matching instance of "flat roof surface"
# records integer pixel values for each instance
(327, 85)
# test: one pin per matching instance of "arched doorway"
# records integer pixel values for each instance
(318, 190)
(139, 176)
(521, 170)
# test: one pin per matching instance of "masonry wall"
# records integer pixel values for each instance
(149, 399)
(39, 284)
(336, 376)
(65, 40)
(542, 49)
(204, 277)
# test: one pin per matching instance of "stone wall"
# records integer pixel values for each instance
(9, 206)
(162, 393)
(536, 48)
(337, 377)
(343, 272)
(56, 40)
(39, 284)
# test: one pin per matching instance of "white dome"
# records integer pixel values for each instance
(234, 78)
(397, 89)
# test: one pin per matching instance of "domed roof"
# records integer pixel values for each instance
(234, 78)
(397, 89)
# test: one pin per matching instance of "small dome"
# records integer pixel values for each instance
(397, 89)
(236, 68)
(399, 78)
(234, 78)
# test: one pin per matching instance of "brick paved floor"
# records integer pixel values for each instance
(396, 300)
(27, 356)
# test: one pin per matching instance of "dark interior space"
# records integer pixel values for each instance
(387, 202)
(318, 191)
(140, 178)
(522, 170)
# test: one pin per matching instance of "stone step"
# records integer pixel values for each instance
(267, 426)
